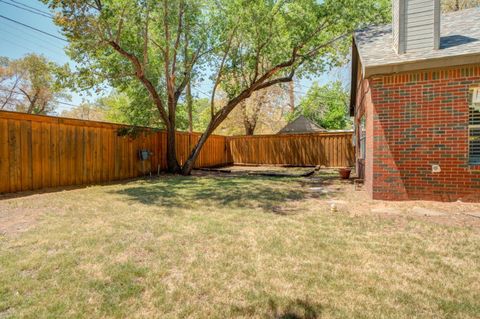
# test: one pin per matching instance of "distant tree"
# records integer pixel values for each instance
(325, 105)
(8, 85)
(130, 106)
(85, 111)
(262, 113)
(258, 103)
(195, 118)
(31, 84)
(456, 5)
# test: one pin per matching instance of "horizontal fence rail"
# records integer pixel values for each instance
(42, 151)
(332, 149)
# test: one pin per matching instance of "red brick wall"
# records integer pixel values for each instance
(365, 108)
(418, 119)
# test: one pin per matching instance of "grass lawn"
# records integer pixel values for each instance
(218, 247)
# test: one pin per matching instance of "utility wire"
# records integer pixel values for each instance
(16, 44)
(24, 47)
(33, 8)
(26, 9)
(33, 28)
(33, 35)
(206, 94)
(37, 44)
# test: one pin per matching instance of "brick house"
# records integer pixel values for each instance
(415, 98)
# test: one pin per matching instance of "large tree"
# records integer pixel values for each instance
(31, 84)
(245, 45)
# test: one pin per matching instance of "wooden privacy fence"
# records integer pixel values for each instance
(332, 149)
(43, 151)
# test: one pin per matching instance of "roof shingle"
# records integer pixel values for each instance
(459, 35)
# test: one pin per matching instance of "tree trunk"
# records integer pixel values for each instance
(249, 128)
(249, 131)
(291, 87)
(216, 120)
(172, 163)
(188, 166)
(188, 96)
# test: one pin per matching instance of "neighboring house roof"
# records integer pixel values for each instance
(301, 125)
(459, 44)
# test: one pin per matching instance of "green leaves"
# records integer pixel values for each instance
(152, 48)
(234, 41)
(32, 84)
(325, 105)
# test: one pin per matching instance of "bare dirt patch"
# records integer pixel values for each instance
(331, 194)
(16, 220)
(266, 170)
(342, 196)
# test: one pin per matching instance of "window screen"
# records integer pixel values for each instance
(363, 138)
(474, 126)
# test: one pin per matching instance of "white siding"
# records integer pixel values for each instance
(396, 24)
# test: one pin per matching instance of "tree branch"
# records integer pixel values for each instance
(145, 41)
(285, 79)
(177, 40)
(140, 74)
(220, 70)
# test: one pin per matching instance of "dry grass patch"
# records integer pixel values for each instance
(216, 247)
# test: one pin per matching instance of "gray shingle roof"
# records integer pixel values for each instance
(459, 36)
(301, 125)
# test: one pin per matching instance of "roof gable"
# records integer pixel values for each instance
(301, 125)
(459, 44)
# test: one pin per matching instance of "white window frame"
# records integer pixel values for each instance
(474, 102)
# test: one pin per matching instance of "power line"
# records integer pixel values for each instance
(37, 44)
(33, 35)
(33, 8)
(205, 94)
(26, 9)
(23, 47)
(16, 44)
(33, 28)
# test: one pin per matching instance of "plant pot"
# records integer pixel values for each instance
(345, 173)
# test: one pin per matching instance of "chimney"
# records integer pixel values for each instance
(416, 25)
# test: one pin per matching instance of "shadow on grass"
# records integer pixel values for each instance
(294, 309)
(231, 192)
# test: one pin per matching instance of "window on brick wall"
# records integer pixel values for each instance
(474, 127)
(363, 138)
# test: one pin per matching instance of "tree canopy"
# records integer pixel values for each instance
(325, 105)
(243, 46)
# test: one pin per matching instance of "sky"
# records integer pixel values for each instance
(18, 40)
